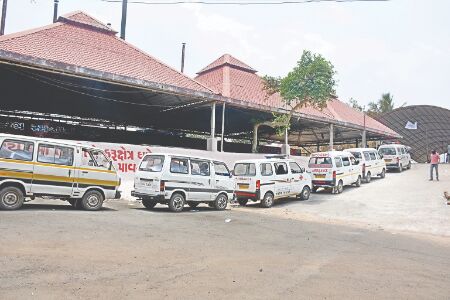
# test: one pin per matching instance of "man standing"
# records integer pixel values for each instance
(434, 160)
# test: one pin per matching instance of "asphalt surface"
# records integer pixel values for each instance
(125, 251)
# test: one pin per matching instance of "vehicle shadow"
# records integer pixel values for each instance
(61, 207)
(165, 209)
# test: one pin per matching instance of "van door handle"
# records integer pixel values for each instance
(84, 172)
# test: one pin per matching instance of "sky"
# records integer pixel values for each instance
(398, 46)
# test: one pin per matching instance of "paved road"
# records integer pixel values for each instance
(124, 251)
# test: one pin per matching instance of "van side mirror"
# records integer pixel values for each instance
(302, 170)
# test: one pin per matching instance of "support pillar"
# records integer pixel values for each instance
(364, 139)
(212, 141)
(318, 147)
(223, 127)
(331, 137)
(286, 149)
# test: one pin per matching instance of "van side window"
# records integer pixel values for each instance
(55, 154)
(295, 168)
(338, 162)
(221, 169)
(15, 149)
(266, 169)
(179, 165)
(345, 161)
(372, 156)
(366, 155)
(281, 168)
(200, 167)
(152, 163)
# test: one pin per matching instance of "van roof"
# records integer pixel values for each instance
(260, 160)
(391, 145)
(48, 140)
(360, 149)
(329, 153)
(184, 155)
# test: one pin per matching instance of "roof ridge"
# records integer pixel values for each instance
(164, 64)
(11, 36)
(97, 24)
(227, 59)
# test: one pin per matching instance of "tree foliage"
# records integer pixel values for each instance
(310, 83)
(383, 105)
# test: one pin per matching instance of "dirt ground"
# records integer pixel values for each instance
(127, 252)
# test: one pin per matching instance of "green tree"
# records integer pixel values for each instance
(383, 105)
(310, 83)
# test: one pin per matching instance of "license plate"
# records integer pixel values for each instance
(321, 176)
(243, 186)
(147, 183)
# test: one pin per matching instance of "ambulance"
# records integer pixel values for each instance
(371, 162)
(176, 180)
(266, 180)
(333, 170)
(396, 156)
(35, 167)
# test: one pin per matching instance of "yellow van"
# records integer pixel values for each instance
(34, 167)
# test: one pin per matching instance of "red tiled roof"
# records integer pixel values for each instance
(227, 59)
(80, 40)
(243, 84)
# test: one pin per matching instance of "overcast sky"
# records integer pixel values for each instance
(399, 46)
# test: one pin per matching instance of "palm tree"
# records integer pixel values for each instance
(386, 103)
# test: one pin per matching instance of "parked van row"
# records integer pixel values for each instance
(84, 176)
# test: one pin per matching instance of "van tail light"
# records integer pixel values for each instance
(258, 184)
(162, 185)
(334, 175)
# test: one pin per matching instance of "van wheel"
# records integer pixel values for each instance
(340, 187)
(176, 202)
(267, 201)
(383, 173)
(306, 192)
(92, 200)
(221, 202)
(408, 166)
(11, 198)
(400, 168)
(242, 202)
(358, 182)
(193, 204)
(149, 204)
(368, 177)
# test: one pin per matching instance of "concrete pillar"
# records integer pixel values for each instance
(212, 141)
(223, 127)
(318, 147)
(286, 149)
(364, 140)
(331, 137)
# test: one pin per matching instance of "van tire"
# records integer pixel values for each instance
(176, 202)
(383, 173)
(408, 166)
(242, 202)
(148, 203)
(92, 200)
(268, 200)
(368, 177)
(306, 192)
(358, 182)
(11, 198)
(400, 168)
(221, 202)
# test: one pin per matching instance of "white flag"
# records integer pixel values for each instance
(411, 125)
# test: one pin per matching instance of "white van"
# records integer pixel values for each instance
(34, 167)
(370, 161)
(395, 156)
(175, 180)
(333, 170)
(268, 179)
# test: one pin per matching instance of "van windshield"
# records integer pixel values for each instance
(152, 163)
(387, 151)
(244, 169)
(321, 162)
